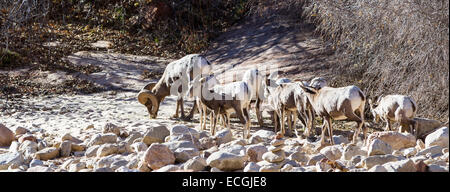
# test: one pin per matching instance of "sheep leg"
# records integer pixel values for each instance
(176, 111)
(302, 118)
(247, 116)
(182, 108)
(203, 116)
(228, 121)
(275, 121)
(388, 123)
(283, 114)
(239, 114)
(353, 117)
(214, 119)
(191, 113)
(322, 137)
(258, 112)
(200, 111)
(330, 130)
(222, 118)
(311, 116)
(295, 123)
(211, 121)
(289, 116)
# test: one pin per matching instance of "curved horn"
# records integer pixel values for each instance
(146, 95)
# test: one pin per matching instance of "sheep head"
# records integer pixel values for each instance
(147, 97)
(373, 106)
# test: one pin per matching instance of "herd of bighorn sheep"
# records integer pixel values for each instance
(191, 77)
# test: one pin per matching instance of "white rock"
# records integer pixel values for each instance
(226, 161)
(264, 134)
(168, 168)
(118, 163)
(155, 134)
(409, 152)
(379, 147)
(14, 147)
(438, 137)
(286, 168)
(132, 137)
(125, 169)
(65, 148)
(100, 139)
(300, 157)
(36, 162)
(195, 164)
(406, 165)
(274, 157)
(235, 149)
(255, 139)
(437, 168)
(7, 159)
(435, 150)
(107, 149)
(255, 152)
(377, 168)
(323, 166)
(173, 145)
(352, 150)
(371, 161)
(185, 132)
(252, 167)
(314, 159)
(92, 151)
(47, 153)
(77, 167)
(158, 155)
(104, 169)
(138, 147)
(40, 169)
(223, 136)
(338, 139)
(395, 139)
(184, 154)
(333, 152)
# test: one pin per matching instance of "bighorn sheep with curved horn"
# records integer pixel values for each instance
(394, 108)
(174, 81)
(338, 104)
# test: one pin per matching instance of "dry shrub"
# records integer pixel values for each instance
(276, 9)
(390, 47)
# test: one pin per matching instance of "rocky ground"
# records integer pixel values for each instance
(111, 132)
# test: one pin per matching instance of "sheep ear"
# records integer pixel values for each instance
(378, 99)
(273, 75)
(202, 80)
(308, 89)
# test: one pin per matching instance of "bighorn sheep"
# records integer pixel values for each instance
(398, 108)
(288, 99)
(338, 104)
(223, 99)
(254, 80)
(174, 81)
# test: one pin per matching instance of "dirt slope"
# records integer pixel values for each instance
(287, 45)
